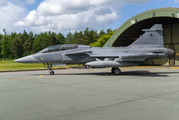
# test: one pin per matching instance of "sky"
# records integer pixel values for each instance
(72, 15)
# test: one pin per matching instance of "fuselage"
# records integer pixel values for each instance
(76, 54)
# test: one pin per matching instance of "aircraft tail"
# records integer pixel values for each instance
(152, 37)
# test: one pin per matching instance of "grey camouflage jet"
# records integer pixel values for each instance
(148, 46)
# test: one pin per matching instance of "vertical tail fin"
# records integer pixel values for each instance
(152, 37)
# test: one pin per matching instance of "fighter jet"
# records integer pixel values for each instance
(148, 46)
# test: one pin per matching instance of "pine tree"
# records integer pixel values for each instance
(4, 47)
(60, 39)
(102, 40)
(69, 37)
(28, 44)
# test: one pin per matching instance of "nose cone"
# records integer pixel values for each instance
(170, 53)
(27, 59)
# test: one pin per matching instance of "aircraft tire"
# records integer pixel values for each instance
(116, 71)
(52, 73)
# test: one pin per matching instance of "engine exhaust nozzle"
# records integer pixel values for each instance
(170, 53)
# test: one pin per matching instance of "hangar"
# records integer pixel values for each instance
(132, 29)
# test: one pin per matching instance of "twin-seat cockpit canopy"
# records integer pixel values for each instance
(56, 48)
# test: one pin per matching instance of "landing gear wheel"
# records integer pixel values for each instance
(52, 73)
(116, 71)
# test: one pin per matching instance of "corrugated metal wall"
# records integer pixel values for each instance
(171, 40)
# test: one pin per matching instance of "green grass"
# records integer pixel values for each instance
(9, 65)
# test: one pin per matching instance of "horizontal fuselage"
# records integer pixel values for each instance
(113, 53)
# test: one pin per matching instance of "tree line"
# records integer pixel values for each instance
(17, 45)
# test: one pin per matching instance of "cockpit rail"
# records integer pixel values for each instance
(56, 48)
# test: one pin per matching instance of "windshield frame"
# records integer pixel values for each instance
(57, 48)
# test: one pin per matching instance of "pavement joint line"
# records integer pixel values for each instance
(105, 106)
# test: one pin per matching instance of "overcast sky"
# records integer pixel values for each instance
(64, 15)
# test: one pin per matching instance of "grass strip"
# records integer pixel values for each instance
(9, 65)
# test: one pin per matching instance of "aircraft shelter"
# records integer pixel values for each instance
(132, 29)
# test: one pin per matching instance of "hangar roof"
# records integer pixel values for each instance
(132, 28)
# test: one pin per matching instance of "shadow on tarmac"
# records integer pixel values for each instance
(125, 73)
(148, 73)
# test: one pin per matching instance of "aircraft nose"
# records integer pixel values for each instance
(170, 53)
(27, 59)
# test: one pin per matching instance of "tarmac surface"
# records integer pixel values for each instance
(91, 94)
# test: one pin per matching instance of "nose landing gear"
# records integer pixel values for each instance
(49, 66)
(52, 72)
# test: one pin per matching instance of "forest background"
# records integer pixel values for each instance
(16, 45)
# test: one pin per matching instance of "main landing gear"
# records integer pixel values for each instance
(116, 71)
(52, 72)
(49, 66)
